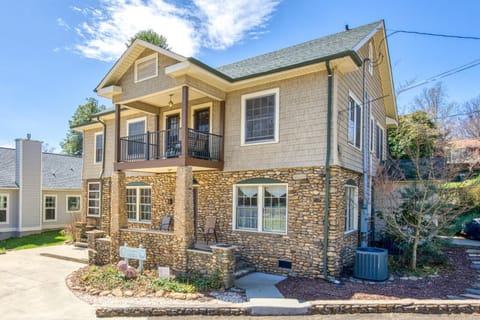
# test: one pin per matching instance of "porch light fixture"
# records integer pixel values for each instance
(170, 103)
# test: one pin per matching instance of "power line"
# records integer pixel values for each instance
(443, 35)
(439, 76)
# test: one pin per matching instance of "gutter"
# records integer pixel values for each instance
(327, 175)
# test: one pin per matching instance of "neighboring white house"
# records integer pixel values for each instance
(38, 191)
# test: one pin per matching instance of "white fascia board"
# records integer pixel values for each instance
(368, 37)
(109, 92)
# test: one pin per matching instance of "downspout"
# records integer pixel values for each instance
(103, 163)
(366, 167)
(327, 175)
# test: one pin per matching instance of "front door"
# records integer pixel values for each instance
(172, 141)
(202, 120)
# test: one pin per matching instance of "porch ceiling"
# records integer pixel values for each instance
(161, 99)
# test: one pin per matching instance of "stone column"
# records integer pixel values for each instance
(183, 226)
(224, 257)
(118, 212)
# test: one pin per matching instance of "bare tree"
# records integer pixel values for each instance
(434, 101)
(470, 122)
(418, 200)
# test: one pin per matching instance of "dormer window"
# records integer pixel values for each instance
(146, 68)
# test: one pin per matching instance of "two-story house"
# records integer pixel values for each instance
(270, 146)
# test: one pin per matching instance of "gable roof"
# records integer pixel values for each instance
(58, 171)
(333, 46)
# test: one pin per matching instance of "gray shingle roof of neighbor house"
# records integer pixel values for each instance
(58, 172)
(335, 45)
(7, 168)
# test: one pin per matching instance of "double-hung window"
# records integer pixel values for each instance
(351, 208)
(259, 119)
(50, 208)
(139, 203)
(3, 208)
(354, 122)
(93, 199)
(98, 147)
(261, 207)
(380, 142)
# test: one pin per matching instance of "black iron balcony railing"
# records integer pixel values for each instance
(166, 144)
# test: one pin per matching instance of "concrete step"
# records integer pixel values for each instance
(81, 244)
(243, 272)
(474, 291)
(477, 251)
(455, 297)
(475, 266)
(277, 307)
(470, 296)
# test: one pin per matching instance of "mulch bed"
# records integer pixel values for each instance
(451, 281)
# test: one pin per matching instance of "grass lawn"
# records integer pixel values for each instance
(44, 239)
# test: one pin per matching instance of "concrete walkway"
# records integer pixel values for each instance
(265, 299)
(32, 286)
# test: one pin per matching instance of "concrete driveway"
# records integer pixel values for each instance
(33, 287)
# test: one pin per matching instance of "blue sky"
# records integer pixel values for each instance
(54, 52)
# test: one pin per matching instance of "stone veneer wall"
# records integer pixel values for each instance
(302, 245)
(161, 247)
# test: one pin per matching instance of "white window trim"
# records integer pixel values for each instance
(354, 97)
(382, 156)
(355, 215)
(73, 196)
(100, 200)
(133, 120)
(244, 98)
(260, 207)
(202, 106)
(7, 208)
(44, 208)
(141, 60)
(372, 135)
(137, 205)
(95, 147)
(370, 57)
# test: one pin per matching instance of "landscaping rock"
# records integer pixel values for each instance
(142, 294)
(159, 293)
(104, 293)
(177, 295)
(128, 293)
(117, 292)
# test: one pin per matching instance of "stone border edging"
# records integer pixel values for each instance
(318, 307)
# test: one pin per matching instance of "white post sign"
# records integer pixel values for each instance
(139, 254)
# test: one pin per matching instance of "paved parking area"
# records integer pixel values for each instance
(32, 286)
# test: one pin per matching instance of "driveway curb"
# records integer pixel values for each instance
(317, 307)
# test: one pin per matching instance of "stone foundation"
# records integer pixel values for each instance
(302, 245)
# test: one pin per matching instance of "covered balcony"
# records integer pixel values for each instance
(185, 135)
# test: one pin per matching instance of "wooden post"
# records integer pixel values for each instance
(222, 128)
(184, 122)
(117, 133)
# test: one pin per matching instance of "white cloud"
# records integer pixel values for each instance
(227, 22)
(63, 24)
(202, 23)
